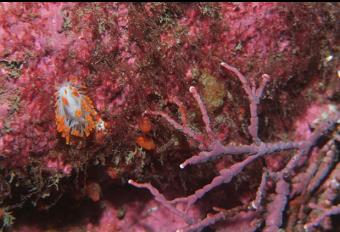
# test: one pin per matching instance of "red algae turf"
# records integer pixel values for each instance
(132, 58)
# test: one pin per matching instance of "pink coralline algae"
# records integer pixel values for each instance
(102, 104)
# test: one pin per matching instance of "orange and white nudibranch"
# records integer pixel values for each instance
(75, 114)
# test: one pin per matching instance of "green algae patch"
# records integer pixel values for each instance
(213, 91)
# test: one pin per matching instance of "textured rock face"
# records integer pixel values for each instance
(137, 57)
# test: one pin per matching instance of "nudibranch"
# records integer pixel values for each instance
(75, 114)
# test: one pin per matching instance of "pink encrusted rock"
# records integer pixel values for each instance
(55, 41)
(313, 115)
(134, 58)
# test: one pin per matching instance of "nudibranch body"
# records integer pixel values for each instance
(75, 114)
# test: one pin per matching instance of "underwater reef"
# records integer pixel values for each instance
(169, 117)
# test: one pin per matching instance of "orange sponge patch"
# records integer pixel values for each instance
(144, 124)
(146, 143)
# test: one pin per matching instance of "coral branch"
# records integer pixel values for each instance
(277, 206)
(218, 150)
(243, 79)
(204, 223)
(161, 199)
(181, 109)
(326, 167)
(306, 147)
(186, 130)
(203, 110)
(226, 175)
(254, 96)
(212, 149)
(261, 192)
(264, 81)
(233, 215)
(326, 213)
(332, 186)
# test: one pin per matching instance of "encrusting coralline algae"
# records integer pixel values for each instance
(153, 102)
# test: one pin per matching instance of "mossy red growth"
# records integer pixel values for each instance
(133, 57)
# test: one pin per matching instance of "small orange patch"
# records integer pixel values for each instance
(67, 139)
(75, 132)
(93, 191)
(62, 128)
(112, 173)
(78, 113)
(242, 113)
(144, 125)
(146, 143)
(65, 101)
(2, 213)
(75, 93)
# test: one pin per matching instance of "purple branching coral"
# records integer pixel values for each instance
(266, 210)
(325, 213)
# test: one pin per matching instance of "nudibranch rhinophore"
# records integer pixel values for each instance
(75, 114)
